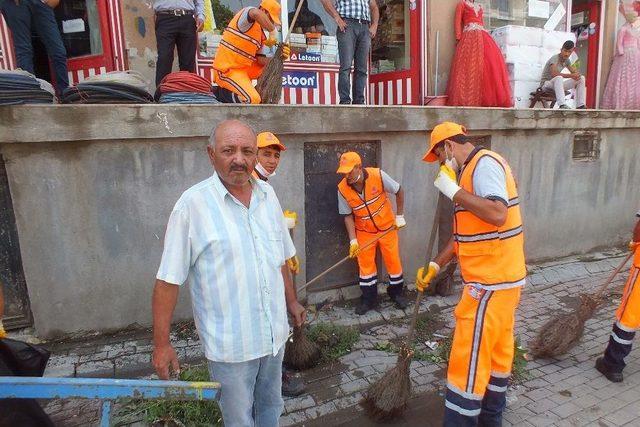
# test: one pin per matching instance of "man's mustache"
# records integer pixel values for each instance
(239, 168)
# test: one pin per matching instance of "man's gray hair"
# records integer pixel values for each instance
(225, 124)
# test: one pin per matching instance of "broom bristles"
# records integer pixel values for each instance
(269, 85)
(562, 332)
(387, 398)
(300, 352)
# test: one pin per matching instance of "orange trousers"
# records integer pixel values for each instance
(390, 251)
(239, 81)
(481, 355)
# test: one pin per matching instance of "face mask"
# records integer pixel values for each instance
(451, 162)
(262, 171)
(357, 179)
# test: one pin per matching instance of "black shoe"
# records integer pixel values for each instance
(364, 306)
(582, 107)
(614, 377)
(400, 301)
(564, 107)
(292, 386)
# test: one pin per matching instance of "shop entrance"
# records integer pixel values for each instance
(395, 55)
(585, 23)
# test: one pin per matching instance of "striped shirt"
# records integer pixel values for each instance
(354, 9)
(231, 257)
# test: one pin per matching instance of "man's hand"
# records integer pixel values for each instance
(298, 312)
(272, 40)
(400, 222)
(633, 246)
(3, 333)
(373, 29)
(446, 181)
(342, 25)
(576, 76)
(294, 264)
(286, 52)
(424, 278)
(199, 24)
(354, 248)
(164, 357)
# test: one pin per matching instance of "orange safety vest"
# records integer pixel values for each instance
(490, 256)
(238, 49)
(372, 212)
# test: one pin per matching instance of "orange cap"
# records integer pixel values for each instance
(348, 161)
(267, 139)
(273, 8)
(439, 133)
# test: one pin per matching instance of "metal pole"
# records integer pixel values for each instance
(435, 89)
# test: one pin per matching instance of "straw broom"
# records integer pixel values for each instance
(563, 331)
(387, 398)
(270, 81)
(300, 352)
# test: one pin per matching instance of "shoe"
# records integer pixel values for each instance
(614, 377)
(582, 107)
(400, 301)
(364, 306)
(292, 386)
(564, 107)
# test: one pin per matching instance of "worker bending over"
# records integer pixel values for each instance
(244, 51)
(367, 211)
(627, 319)
(489, 243)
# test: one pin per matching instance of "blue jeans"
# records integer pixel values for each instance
(251, 392)
(353, 48)
(30, 15)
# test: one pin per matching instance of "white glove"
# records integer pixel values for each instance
(446, 182)
(400, 222)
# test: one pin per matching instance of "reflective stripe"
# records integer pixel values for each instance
(396, 282)
(512, 202)
(477, 338)
(617, 339)
(481, 237)
(497, 388)
(237, 50)
(624, 328)
(511, 233)
(462, 411)
(368, 202)
(235, 85)
(497, 286)
(244, 36)
(368, 277)
(374, 213)
(469, 396)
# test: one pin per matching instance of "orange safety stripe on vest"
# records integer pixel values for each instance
(238, 49)
(372, 213)
(490, 256)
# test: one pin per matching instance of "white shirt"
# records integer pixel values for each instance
(231, 257)
(490, 180)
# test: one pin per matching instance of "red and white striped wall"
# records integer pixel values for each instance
(118, 44)
(78, 76)
(7, 58)
(391, 92)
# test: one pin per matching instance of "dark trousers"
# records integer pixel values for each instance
(618, 348)
(353, 48)
(33, 15)
(171, 32)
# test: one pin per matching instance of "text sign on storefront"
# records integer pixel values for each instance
(306, 57)
(300, 79)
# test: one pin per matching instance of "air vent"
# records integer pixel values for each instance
(586, 145)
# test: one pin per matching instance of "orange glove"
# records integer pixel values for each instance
(294, 264)
(286, 52)
(3, 333)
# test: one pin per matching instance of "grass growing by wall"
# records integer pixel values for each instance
(334, 340)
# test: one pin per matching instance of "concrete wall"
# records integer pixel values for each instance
(93, 193)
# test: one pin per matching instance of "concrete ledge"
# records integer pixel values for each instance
(63, 123)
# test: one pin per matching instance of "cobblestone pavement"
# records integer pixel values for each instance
(563, 392)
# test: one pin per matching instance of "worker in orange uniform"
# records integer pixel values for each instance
(367, 211)
(245, 49)
(628, 319)
(269, 149)
(489, 243)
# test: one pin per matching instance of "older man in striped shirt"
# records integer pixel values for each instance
(226, 236)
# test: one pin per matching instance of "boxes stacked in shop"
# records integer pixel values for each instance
(298, 41)
(329, 49)
(526, 50)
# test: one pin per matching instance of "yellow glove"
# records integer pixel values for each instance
(633, 246)
(3, 333)
(446, 181)
(354, 248)
(294, 264)
(272, 40)
(423, 279)
(291, 218)
(286, 52)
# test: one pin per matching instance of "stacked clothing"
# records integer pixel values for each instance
(20, 87)
(117, 87)
(183, 87)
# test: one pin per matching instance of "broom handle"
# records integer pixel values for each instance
(293, 21)
(343, 260)
(432, 241)
(613, 275)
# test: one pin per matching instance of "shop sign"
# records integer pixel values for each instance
(300, 79)
(306, 57)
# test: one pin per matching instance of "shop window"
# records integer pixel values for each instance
(586, 145)
(79, 23)
(390, 49)
(498, 13)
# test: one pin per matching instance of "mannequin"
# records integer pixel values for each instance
(622, 91)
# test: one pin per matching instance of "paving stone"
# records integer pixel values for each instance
(566, 409)
(100, 369)
(292, 419)
(318, 411)
(299, 403)
(354, 386)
